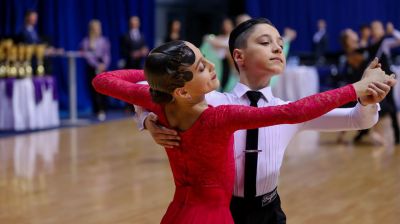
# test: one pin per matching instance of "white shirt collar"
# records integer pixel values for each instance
(241, 89)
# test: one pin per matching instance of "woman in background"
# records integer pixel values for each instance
(174, 31)
(96, 50)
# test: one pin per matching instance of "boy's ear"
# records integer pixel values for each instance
(238, 57)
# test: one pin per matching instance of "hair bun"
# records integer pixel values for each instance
(160, 97)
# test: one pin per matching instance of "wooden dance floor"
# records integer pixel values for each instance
(111, 173)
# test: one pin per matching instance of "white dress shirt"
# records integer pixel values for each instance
(273, 140)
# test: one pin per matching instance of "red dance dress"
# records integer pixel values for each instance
(203, 165)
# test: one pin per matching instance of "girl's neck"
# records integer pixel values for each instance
(183, 114)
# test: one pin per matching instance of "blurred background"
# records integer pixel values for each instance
(64, 24)
(70, 155)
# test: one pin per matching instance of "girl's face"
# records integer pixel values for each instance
(204, 76)
(264, 51)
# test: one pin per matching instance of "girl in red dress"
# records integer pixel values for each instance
(203, 165)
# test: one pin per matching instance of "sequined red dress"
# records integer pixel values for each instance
(203, 165)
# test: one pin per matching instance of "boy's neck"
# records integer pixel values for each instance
(255, 82)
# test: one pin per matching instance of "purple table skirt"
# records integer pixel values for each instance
(38, 83)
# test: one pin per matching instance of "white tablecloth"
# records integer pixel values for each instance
(22, 107)
(296, 82)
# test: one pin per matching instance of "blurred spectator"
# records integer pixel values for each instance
(241, 18)
(320, 42)
(220, 45)
(29, 34)
(351, 67)
(380, 47)
(289, 35)
(377, 31)
(391, 40)
(356, 59)
(133, 45)
(365, 33)
(174, 31)
(96, 50)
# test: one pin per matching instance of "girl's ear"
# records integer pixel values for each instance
(182, 93)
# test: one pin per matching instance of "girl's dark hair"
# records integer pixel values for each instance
(166, 68)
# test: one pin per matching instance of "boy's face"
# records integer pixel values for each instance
(264, 51)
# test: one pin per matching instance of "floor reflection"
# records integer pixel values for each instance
(27, 156)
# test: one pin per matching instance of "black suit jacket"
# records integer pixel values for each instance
(321, 47)
(28, 37)
(128, 46)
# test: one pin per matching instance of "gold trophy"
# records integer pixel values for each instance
(7, 45)
(2, 61)
(20, 62)
(28, 60)
(12, 58)
(40, 50)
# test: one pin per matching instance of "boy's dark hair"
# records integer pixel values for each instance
(239, 35)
